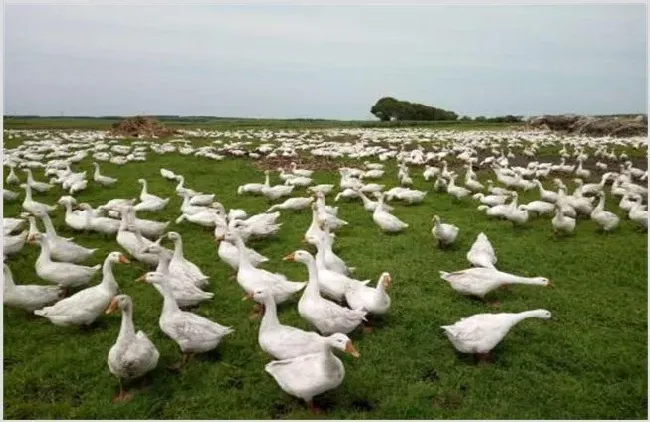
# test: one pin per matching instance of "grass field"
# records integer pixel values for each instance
(588, 362)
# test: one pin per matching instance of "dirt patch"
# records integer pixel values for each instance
(618, 126)
(140, 126)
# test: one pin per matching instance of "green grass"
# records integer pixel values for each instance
(225, 123)
(588, 362)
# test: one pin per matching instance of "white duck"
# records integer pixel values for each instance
(385, 220)
(98, 223)
(325, 315)
(457, 192)
(76, 220)
(149, 202)
(277, 191)
(374, 300)
(181, 267)
(129, 237)
(283, 341)
(64, 274)
(32, 206)
(309, 375)
(607, 220)
(27, 297)
(480, 281)
(192, 333)
(85, 306)
(133, 354)
(444, 233)
(490, 200)
(479, 334)
(101, 179)
(12, 179)
(324, 244)
(300, 172)
(482, 254)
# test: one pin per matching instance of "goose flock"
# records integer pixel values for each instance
(333, 301)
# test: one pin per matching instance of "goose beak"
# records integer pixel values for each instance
(290, 257)
(248, 296)
(141, 278)
(550, 284)
(387, 280)
(124, 260)
(351, 350)
(111, 307)
(304, 240)
(218, 238)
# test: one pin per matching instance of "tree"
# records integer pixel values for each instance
(389, 108)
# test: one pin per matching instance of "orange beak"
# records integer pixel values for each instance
(30, 238)
(112, 306)
(351, 350)
(124, 260)
(290, 257)
(141, 278)
(387, 280)
(550, 284)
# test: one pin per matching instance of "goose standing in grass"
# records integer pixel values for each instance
(479, 281)
(385, 220)
(325, 315)
(562, 223)
(167, 174)
(444, 233)
(292, 204)
(32, 206)
(374, 300)
(12, 179)
(251, 278)
(539, 207)
(309, 375)
(9, 195)
(184, 291)
(638, 213)
(300, 172)
(85, 306)
(283, 341)
(479, 334)
(192, 333)
(228, 252)
(181, 266)
(104, 225)
(63, 249)
(324, 241)
(325, 189)
(274, 192)
(149, 202)
(10, 225)
(63, 274)
(133, 354)
(14, 244)
(37, 186)
(482, 254)
(27, 297)
(607, 220)
(457, 192)
(490, 200)
(101, 179)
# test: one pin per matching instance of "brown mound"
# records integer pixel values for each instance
(307, 162)
(594, 126)
(141, 127)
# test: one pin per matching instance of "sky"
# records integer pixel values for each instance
(323, 61)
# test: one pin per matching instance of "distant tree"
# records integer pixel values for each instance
(389, 108)
(480, 119)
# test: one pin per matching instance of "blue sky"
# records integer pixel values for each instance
(323, 61)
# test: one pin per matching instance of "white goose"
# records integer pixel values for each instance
(85, 306)
(385, 220)
(14, 244)
(444, 233)
(101, 179)
(293, 204)
(283, 341)
(63, 274)
(32, 206)
(228, 252)
(374, 300)
(479, 281)
(27, 297)
(133, 354)
(149, 202)
(37, 186)
(482, 254)
(325, 315)
(309, 375)
(479, 334)
(192, 333)
(179, 266)
(607, 220)
(62, 249)
(561, 222)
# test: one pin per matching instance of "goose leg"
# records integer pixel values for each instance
(123, 395)
(313, 408)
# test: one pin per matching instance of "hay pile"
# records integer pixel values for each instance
(141, 127)
(593, 126)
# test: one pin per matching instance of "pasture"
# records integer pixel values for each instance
(589, 361)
